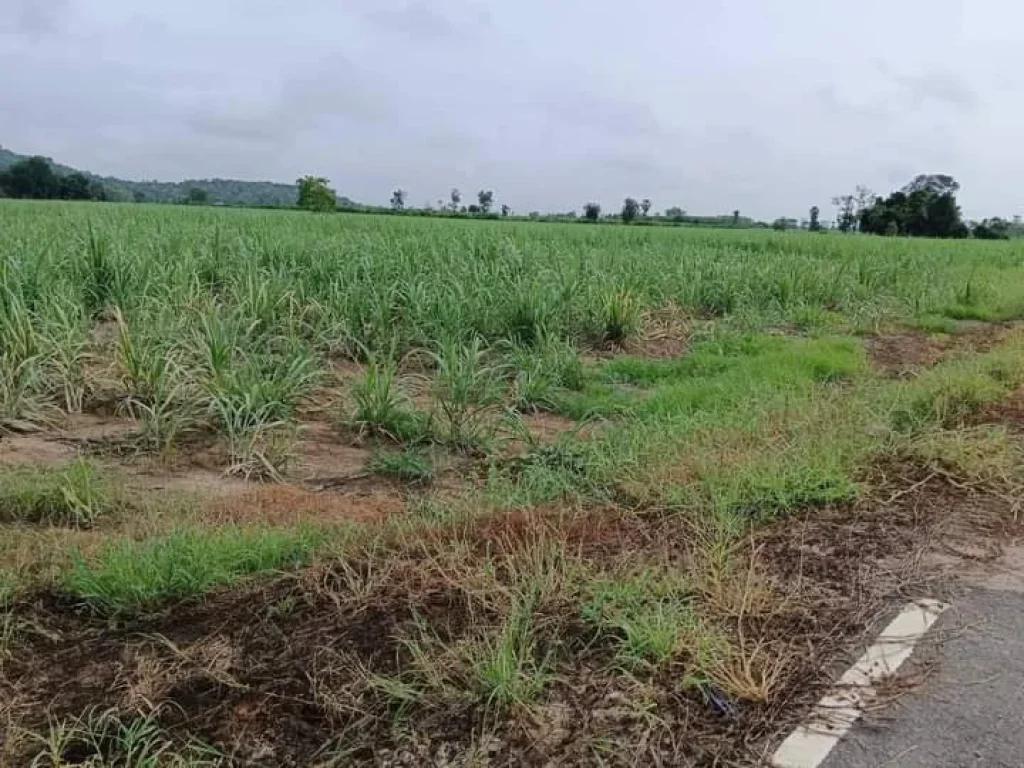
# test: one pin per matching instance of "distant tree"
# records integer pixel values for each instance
(139, 196)
(32, 179)
(475, 209)
(815, 224)
(315, 194)
(506, 211)
(992, 229)
(197, 196)
(592, 211)
(74, 186)
(645, 206)
(398, 200)
(456, 198)
(486, 199)
(630, 209)
(846, 212)
(926, 207)
(675, 213)
(735, 218)
(780, 224)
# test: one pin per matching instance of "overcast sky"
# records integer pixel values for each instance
(768, 107)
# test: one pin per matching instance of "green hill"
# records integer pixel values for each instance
(225, 191)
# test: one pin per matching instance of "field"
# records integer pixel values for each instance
(287, 489)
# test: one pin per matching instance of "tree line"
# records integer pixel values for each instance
(35, 179)
(924, 207)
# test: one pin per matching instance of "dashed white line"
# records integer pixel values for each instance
(835, 714)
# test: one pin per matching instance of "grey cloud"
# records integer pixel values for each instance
(590, 111)
(334, 90)
(34, 18)
(937, 86)
(424, 21)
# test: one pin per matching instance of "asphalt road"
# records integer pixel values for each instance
(969, 711)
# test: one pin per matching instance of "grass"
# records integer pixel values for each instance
(411, 466)
(601, 565)
(77, 496)
(128, 576)
(110, 738)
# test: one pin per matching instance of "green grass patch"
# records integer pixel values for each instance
(75, 496)
(408, 465)
(128, 575)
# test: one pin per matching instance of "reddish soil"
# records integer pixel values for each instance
(290, 505)
(902, 353)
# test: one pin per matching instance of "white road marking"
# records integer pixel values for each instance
(811, 743)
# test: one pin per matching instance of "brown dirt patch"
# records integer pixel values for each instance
(901, 353)
(1008, 412)
(290, 505)
(291, 650)
(321, 455)
(548, 427)
(273, 672)
(19, 450)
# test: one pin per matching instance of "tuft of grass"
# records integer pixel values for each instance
(76, 496)
(467, 393)
(620, 316)
(111, 738)
(408, 465)
(382, 408)
(506, 668)
(128, 575)
(650, 616)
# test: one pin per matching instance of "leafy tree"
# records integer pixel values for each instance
(398, 200)
(645, 206)
(992, 229)
(846, 216)
(735, 218)
(926, 207)
(33, 179)
(315, 194)
(486, 199)
(780, 224)
(74, 186)
(591, 211)
(815, 225)
(675, 213)
(630, 209)
(506, 211)
(456, 198)
(475, 209)
(197, 196)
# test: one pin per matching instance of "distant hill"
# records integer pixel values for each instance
(225, 191)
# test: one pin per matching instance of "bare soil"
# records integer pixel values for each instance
(900, 353)
(274, 672)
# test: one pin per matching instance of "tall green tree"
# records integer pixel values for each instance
(315, 194)
(926, 207)
(815, 224)
(630, 209)
(398, 200)
(485, 198)
(591, 211)
(31, 179)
